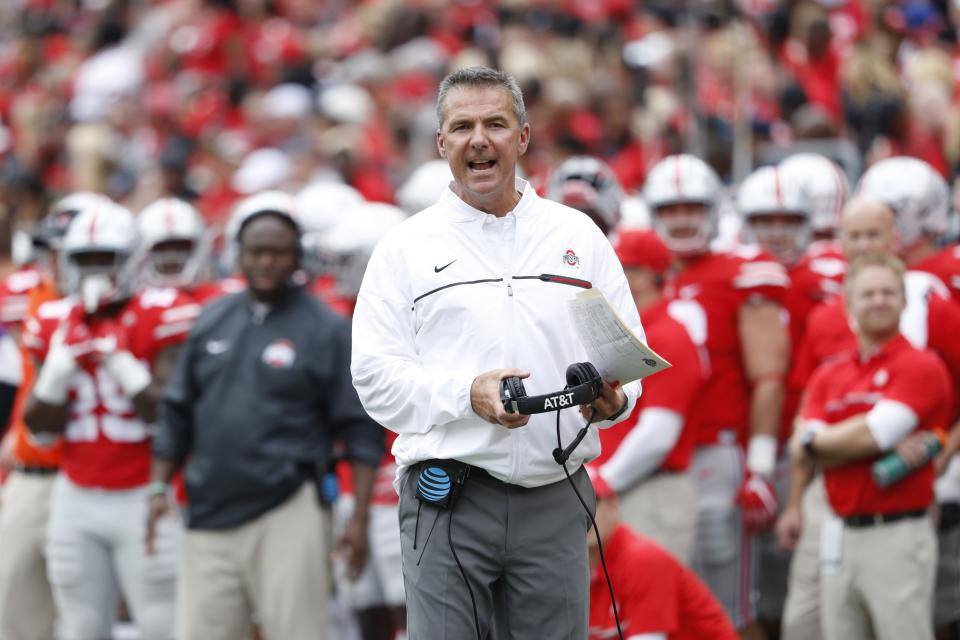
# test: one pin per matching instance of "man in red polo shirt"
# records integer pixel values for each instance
(878, 556)
(657, 597)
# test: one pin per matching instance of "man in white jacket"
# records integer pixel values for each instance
(464, 294)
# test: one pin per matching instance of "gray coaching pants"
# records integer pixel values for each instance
(523, 550)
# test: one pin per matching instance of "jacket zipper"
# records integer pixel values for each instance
(549, 277)
(454, 284)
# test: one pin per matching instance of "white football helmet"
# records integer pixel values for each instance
(825, 184)
(97, 255)
(320, 207)
(348, 246)
(684, 179)
(424, 186)
(918, 195)
(174, 245)
(54, 225)
(764, 198)
(589, 185)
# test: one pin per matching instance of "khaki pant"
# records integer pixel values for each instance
(883, 588)
(272, 569)
(26, 599)
(664, 508)
(801, 613)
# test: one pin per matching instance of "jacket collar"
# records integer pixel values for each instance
(460, 211)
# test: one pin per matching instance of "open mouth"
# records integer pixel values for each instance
(477, 165)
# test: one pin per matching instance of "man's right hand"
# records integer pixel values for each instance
(485, 398)
(789, 527)
(158, 506)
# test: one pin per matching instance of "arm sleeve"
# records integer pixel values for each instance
(762, 279)
(924, 387)
(363, 438)
(644, 449)
(890, 422)
(395, 388)
(174, 434)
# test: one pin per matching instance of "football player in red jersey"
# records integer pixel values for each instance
(15, 289)
(335, 259)
(658, 598)
(590, 186)
(26, 599)
(338, 257)
(778, 216)
(920, 200)
(646, 460)
(740, 404)
(826, 187)
(174, 251)
(106, 354)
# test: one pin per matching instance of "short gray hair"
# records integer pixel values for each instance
(482, 77)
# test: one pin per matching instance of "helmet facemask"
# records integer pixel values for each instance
(687, 228)
(783, 234)
(97, 277)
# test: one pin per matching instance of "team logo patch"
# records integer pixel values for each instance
(570, 258)
(279, 354)
(880, 378)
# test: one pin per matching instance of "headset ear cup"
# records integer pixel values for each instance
(515, 386)
(584, 373)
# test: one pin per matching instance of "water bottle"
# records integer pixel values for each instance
(892, 468)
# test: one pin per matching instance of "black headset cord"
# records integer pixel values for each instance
(463, 574)
(560, 455)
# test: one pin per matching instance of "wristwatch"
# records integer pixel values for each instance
(807, 441)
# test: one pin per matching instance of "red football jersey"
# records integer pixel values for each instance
(719, 284)
(206, 292)
(15, 295)
(655, 594)
(674, 388)
(946, 266)
(324, 287)
(107, 445)
(850, 385)
(808, 288)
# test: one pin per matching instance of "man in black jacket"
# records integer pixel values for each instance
(261, 391)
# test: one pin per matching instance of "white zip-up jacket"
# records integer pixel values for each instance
(454, 292)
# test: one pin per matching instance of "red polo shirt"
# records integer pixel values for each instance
(655, 594)
(850, 385)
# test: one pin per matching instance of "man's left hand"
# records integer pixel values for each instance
(612, 399)
(355, 546)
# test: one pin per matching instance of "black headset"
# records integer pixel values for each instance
(583, 386)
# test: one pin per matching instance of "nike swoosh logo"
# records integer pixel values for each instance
(439, 269)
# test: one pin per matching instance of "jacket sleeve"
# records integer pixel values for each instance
(174, 435)
(394, 387)
(363, 438)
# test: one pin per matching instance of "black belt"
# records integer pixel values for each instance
(873, 519)
(949, 516)
(37, 471)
